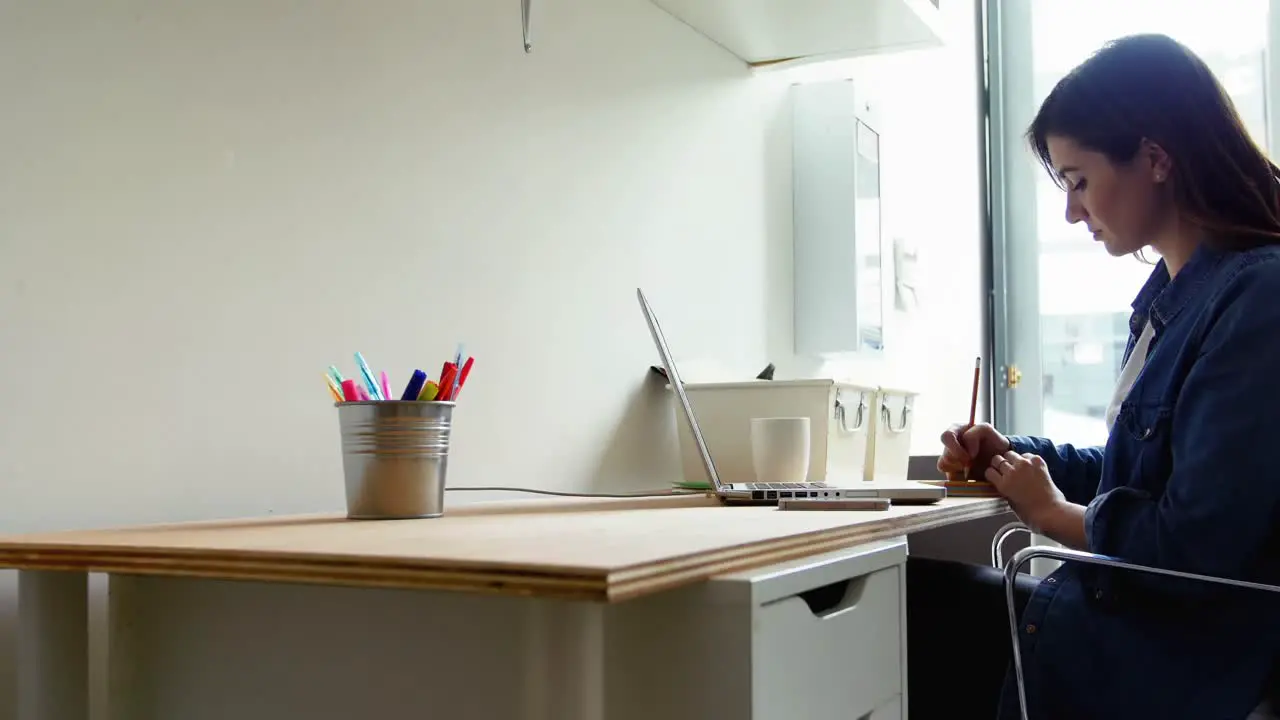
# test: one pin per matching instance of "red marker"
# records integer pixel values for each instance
(350, 391)
(446, 381)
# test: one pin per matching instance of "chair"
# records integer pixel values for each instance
(1021, 557)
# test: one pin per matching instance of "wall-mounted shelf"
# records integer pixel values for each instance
(766, 32)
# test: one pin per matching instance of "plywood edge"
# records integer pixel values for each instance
(416, 578)
(549, 582)
(17, 556)
(655, 577)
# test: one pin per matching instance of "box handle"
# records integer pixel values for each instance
(859, 417)
(887, 415)
(835, 598)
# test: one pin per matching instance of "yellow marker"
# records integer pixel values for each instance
(333, 388)
(429, 391)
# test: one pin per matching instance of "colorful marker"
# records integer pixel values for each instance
(414, 388)
(457, 377)
(447, 378)
(369, 382)
(462, 378)
(368, 388)
(334, 390)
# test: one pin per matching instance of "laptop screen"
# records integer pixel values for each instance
(678, 385)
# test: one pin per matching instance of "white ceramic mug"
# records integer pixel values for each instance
(780, 449)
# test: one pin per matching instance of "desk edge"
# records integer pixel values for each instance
(616, 586)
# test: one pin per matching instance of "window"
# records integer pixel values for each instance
(1066, 335)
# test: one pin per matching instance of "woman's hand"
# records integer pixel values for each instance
(972, 447)
(1024, 481)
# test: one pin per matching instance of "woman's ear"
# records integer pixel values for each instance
(1155, 161)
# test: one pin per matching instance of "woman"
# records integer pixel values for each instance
(1151, 153)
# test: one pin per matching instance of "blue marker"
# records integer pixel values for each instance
(414, 388)
(374, 391)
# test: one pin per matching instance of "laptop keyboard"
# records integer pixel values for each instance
(783, 486)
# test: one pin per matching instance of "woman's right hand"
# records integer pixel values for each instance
(972, 447)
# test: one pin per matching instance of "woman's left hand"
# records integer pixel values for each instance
(1024, 481)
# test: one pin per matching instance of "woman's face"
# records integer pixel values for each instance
(1126, 205)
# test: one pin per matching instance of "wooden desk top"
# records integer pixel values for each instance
(588, 549)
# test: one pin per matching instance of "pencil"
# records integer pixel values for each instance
(973, 404)
(973, 400)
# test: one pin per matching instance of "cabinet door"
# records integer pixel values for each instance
(836, 209)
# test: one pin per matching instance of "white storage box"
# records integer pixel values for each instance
(840, 417)
(890, 448)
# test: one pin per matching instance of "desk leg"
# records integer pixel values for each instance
(126, 655)
(53, 645)
(563, 661)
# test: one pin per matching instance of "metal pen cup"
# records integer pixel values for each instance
(395, 456)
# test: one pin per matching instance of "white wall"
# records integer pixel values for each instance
(205, 204)
(202, 205)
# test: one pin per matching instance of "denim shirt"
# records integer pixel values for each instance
(1189, 480)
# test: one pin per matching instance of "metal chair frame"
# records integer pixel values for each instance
(1025, 555)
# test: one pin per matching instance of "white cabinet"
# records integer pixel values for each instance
(823, 638)
(770, 31)
(838, 257)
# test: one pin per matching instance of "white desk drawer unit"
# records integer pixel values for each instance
(822, 638)
(835, 651)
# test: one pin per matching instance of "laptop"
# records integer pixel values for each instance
(758, 492)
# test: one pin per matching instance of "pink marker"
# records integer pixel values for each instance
(350, 391)
(364, 394)
(386, 386)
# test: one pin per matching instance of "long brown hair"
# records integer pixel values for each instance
(1151, 87)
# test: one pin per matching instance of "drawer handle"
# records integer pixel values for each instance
(830, 600)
